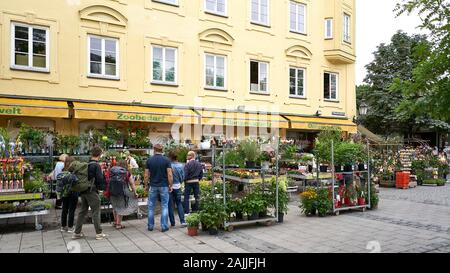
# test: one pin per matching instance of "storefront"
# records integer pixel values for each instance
(163, 124)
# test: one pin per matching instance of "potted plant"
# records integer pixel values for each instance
(361, 196)
(308, 200)
(283, 198)
(323, 202)
(193, 221)
(250, 151)
(265, 159)
(253, 205)
(322, 149)
(350, 196)
(373, 197)
(212, 214)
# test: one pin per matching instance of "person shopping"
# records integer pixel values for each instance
(175, 195)
(68, 197)
(193, 171)
(124, 201)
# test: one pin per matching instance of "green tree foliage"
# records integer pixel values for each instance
(428, 90)
(394, 62)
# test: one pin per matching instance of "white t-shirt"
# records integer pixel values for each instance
(58, 169)
(133, 163)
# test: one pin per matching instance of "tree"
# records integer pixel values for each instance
(428, 91)
(396, 60)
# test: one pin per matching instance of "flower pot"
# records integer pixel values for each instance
(361, 201)
(192, 231)
(240, 187)
(239, 216)
(213, 231)
(253, 216)
(280, 217)
(205, 145)
(250, 164)
(347, 201)
(338, 168)
(265, 165)
(262, 214)
(310, 168)
(323, 169)
(348, 168)
(361, 167)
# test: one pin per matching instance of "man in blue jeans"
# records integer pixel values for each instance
(193, 173)
(158, 170)
(175, 196)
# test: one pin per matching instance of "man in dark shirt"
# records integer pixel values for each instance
(91, 198)
(159, 171)
(193, 173)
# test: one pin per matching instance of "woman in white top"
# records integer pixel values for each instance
(54, 174)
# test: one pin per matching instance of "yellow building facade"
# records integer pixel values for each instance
(229, 65)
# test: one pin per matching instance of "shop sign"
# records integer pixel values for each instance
(340, 114)
(247, 123)
(318, 126)
(10, 111)
(139, 117)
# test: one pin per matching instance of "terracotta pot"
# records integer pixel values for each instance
(192, 231)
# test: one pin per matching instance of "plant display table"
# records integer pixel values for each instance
(35, 214)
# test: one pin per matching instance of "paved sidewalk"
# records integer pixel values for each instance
(415, 220)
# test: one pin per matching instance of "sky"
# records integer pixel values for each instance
(375, 24)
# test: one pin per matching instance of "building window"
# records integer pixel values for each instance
(330, 86)
(260, 12)
(297, 82)
(298, 17)
(164, 65)
(216, 6)
(215, 75)
(103, 57)
(259, 73)
(30, 47)
(170, 2)
(347, 37)
(328, 28)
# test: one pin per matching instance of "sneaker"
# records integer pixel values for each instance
(100, 236)
(63, 229)
(71, 230)
(77, 236)
(150, 229)
(164, 230)
(184, 224)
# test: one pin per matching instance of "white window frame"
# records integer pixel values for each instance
(337, 86)
(259, 22)
(215, 72)
(163, 81)
(225, 13)
(103, 74)
(347, 28)
(168, 2)
(30, 66)
(296, 82)
(330, 28)
(259, 91)
(297, 9)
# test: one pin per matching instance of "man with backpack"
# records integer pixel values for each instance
(159, 171)
(90, 181)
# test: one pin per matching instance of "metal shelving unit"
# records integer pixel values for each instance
(353, 173)
(229, 225)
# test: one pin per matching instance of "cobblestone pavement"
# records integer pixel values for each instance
(414, 220)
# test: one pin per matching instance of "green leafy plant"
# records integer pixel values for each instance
(250, 150)
(213, 212)
(232, 157)
(323, 202)
(347, 153)
(254, 203)
(438, 182)
(193, 220)
(289, 151)
(323, 143)
(36, 184)
(7, 208)
(374, 199)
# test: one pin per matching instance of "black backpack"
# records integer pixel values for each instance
(117, 181)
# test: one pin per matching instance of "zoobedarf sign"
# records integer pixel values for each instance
(139, 117)
(10, 111)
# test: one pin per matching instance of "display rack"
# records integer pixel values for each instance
(352, 174)
(229, 225)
